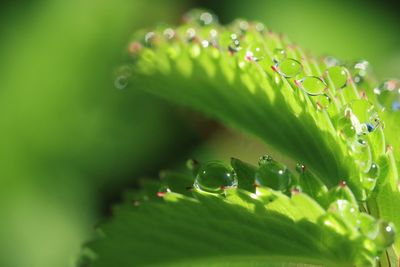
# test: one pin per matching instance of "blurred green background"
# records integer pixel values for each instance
(70, 142)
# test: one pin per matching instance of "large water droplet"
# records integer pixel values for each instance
(215, 177)
(388, 94)
(273, 174)
(288, 67)
(386, 235)
(338, 75)
(312, 85)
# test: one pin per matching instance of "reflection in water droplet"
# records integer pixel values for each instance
(121, 82)
(338, 76)
(289, 67)
(388, 95)
(215, 177)
(312, 85)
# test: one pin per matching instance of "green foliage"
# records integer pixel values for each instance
(308, 108)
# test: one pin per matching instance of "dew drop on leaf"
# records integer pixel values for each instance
(279, 55)
(346, 210)
(323, 101)
(346, 129)
(273, 174)
(338, 76)
(361, 152)
(360, 70)
(214, 177)
(289, 67)
(368, 179)
(386, 235)
(312, 85)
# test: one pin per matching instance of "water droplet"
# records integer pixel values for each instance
(386, 235)
(260, 27)
(388, 94)
(279, 55)
(206, 18)
(346, 129)
(190, 34)
(273, 174)
(312, 85)
(258, 52)
(323, 101)
(368, 179)
(347, 210)
(264, 159)
(361, 152)
(169, 33)
(367, 225)
(163, 191)
(149, 37)
(364, 117)
(215, 177)
(360, 70)
(332, 221)
(240, 25)
(331, 61)
(121, 82)
(200, 17)
(338, 75)
(289, 67)
(300, 168)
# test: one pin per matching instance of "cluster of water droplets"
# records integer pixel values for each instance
(249, 44)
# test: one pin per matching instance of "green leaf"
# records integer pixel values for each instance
(212, 230)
